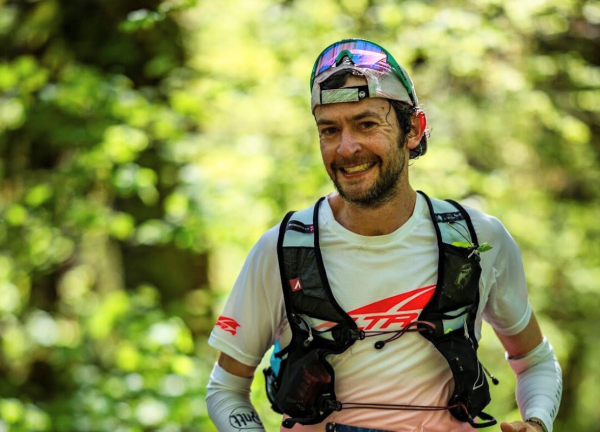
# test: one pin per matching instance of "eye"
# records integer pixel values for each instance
(368, 124)
(328, 131)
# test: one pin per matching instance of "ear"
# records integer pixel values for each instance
(419, 125)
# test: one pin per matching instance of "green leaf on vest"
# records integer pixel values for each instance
(484, 248)
(462, 244)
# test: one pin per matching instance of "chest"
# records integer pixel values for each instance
(383, 287)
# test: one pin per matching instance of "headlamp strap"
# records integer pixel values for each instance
(344, 94)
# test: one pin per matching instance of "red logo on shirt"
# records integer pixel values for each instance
(295, 284)
(392, 313)
(228, 324)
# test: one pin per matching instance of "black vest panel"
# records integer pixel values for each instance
(303, 384)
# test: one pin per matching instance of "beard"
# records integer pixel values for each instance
(385, 187)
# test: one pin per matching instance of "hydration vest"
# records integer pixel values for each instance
(301, 382)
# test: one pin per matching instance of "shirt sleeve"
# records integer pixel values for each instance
(254, 311)
(507, 309)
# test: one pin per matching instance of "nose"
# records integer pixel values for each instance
(349, 144)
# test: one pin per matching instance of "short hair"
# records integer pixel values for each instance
(404, 112)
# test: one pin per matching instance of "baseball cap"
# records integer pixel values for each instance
(385, 77)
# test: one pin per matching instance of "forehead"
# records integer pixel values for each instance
(347, 110)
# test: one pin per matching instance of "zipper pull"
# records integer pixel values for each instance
(492, 377)
(310, 337)
(301, 322)
(310, 334)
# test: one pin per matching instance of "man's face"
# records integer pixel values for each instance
(362, 149)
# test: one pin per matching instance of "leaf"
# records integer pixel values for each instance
(484, 248)
(462, 244)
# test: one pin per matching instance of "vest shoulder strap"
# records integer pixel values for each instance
(452, 309)
(300, 230)
(452, 222)
(304, 279)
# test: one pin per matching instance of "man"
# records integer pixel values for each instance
(374, 297)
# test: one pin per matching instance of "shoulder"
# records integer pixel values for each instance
(265, 249)
(262, 258)
(268, 241)
(489, 228)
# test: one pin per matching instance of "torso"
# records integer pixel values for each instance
(384, 282)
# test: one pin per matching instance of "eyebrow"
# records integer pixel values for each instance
(360, 116)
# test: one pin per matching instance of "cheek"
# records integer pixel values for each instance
(328, 150)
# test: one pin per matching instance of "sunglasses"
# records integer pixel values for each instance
(362, 53)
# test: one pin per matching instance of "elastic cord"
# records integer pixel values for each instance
(399, 333)
(356, 405)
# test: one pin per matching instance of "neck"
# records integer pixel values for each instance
(381, 220)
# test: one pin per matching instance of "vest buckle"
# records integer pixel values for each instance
(326, 404)
(357, 334)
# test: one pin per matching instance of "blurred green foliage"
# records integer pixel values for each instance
(146, 145)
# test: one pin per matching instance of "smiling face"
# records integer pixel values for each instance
(362, 149)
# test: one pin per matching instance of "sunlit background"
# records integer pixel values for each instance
(146, 145)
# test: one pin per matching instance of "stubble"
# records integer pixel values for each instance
(386, 186)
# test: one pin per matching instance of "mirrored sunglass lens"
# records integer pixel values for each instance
(363, 54)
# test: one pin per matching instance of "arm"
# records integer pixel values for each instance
(234, 367)
(539, 377)
(248, 326)
(523, 342)
(228, 396)
(507, 309)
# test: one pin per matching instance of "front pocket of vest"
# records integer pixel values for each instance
(470, 381)
(461, 274)
(304, 379)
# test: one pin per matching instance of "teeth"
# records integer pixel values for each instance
(358, 168)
